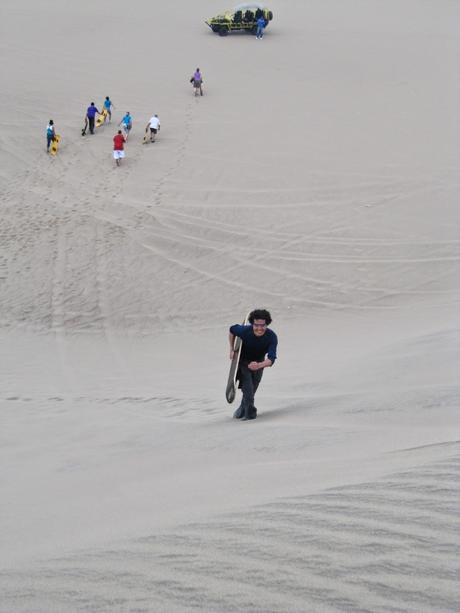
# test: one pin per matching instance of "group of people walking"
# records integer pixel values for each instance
(91, 122)
(121, 137)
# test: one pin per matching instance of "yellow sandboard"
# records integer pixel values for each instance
(101, 119)
(55, 144)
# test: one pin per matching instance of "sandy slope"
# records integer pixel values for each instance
(318, 177)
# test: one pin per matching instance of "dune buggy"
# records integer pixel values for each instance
(243, 17)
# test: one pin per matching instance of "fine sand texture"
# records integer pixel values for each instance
(318, 177)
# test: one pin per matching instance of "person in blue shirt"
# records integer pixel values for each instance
(126, 123)
(91, 112)
(261, 23)
(108, 107)
(258, 352)
(50, 134)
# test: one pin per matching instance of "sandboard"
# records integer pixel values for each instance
(101, 119)
(55, 144)
(85, 127)
(230, 391)
(146, 139)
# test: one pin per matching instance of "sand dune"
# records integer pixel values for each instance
(317, 177)
(383, 546)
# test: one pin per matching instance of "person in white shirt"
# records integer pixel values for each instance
(154, 125)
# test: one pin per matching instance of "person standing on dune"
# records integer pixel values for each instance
(197, 81)
(50, 134)
(258, 352)
(261, 23)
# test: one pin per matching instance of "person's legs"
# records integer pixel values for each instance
(256, 378)
(91, 124)
(49, 140)
(249, 383)
(247, 388)
(118, 156)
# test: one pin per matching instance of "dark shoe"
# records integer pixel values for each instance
(238, 414)
(251, 415)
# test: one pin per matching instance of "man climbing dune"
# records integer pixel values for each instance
(258, 352)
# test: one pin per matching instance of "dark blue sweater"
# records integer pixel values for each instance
(255, 348)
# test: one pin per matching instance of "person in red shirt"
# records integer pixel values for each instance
(118, 147)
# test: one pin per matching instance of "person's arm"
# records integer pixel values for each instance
(259, 365)
(235, 330)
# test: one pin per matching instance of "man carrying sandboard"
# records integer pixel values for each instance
(154, 126)
(90, 118)
(52, 139)
(256, 352)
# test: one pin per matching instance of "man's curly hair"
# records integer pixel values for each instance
(260, 314)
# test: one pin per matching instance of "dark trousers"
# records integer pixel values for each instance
(91, 124)
(249, 382)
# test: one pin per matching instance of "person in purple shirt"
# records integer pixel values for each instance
(91, 116)
(197, 81)
(258, 352)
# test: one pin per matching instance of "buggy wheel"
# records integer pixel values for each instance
(223, 30)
